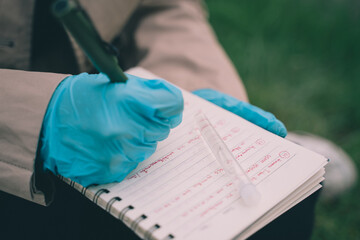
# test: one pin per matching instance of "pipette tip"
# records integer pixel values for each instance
(249, 194)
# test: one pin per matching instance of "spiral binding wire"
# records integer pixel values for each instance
(98, 193)
(83, 190)
(135, 224)
(108, 207)
(111, 202)
(170, 236)
(124, 211)
(150, 231)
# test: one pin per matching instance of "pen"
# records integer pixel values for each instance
(83, 31)
(232, 168)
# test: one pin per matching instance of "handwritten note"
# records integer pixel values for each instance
(183, 191)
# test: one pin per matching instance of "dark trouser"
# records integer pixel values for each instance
(72, 216)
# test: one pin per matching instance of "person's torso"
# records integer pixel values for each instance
(31, 39)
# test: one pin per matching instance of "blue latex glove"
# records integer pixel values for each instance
(245, 110)
(96, 132)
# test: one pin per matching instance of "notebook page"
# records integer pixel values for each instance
(182, 183)
(300, 194)
(215, 207)
(184, 190)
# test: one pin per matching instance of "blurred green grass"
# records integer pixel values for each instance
(300, 59)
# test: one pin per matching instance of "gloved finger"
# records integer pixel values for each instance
(245, 110)
(140, 127)
(137, 150)
(156, 99)
(210, 95)
(129, 144)
(278, 128)
(154, 131)
(87, 172)
(175, 120)
(260, 117)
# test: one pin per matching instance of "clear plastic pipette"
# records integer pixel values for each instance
(232, 168)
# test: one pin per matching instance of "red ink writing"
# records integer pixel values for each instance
(163, 159)
(284, 154)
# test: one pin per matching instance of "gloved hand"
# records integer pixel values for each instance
(245, 110)
(96, 132)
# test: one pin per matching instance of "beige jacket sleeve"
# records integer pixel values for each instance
(24, 97)
(174, 40)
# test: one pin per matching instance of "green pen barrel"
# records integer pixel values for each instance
(84, 33)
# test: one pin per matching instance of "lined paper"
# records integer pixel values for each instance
(183, 191)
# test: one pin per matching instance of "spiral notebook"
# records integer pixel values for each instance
(181, 191)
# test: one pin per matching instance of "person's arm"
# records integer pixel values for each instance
(24, 97)
(173, 40)
(93, 131)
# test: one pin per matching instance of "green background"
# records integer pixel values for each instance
(300, 60)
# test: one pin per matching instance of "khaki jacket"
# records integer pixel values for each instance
(172, 39)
